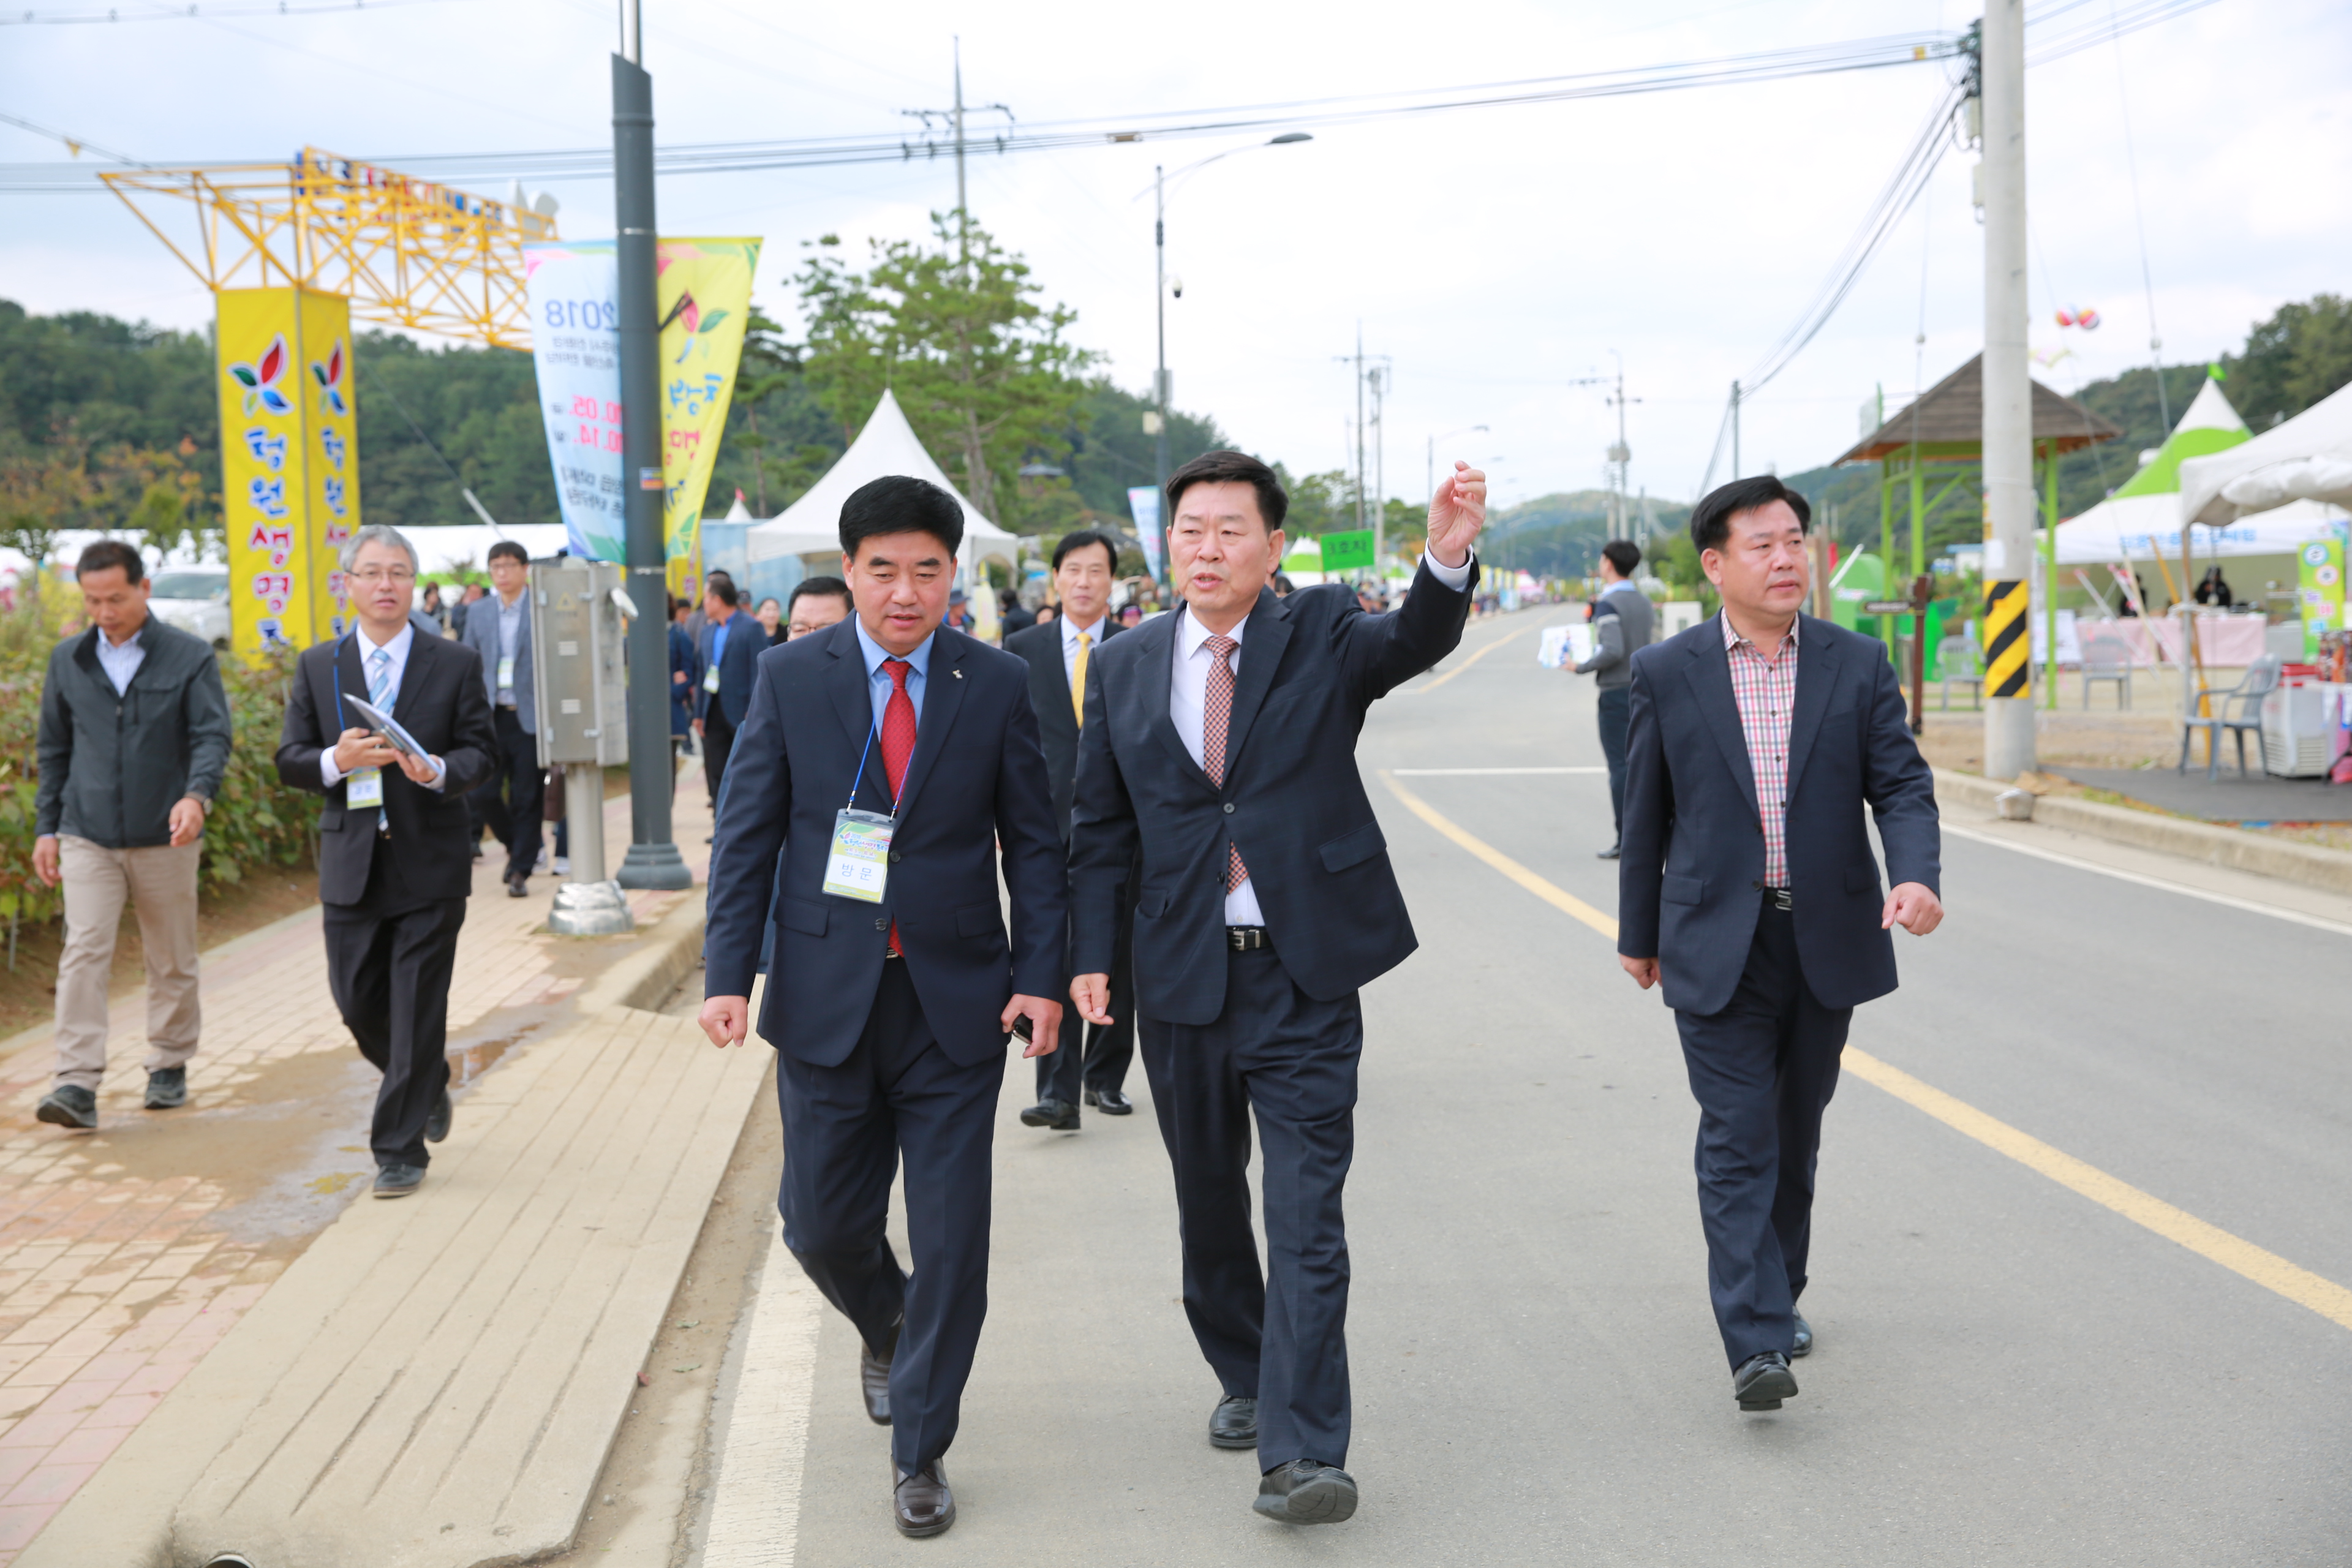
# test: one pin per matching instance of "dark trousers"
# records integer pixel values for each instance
(718, 743)
(1762, 1071)
(389, 972)
(512, 799)
(1094, 1057)
(845, 1129)
(1616, 713)
(1280, 1335)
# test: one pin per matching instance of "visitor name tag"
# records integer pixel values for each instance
(506, 673)
(364, 787)
(710, 679)
(858, 866)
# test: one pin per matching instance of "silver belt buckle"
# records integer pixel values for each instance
(1779, 897)
(1246, 939)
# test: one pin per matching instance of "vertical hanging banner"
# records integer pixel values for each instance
(704, 294)
(703, 290)
(1143, 505)
(290, 463)
(2321, 590)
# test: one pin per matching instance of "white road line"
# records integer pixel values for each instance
(2317, 922)
(1467, 773)
(755, 1507)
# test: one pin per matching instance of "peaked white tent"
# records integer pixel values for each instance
(812, 525)
(2143, 518)
(2308, 459)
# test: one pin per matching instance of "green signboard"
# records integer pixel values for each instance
(1349, 552)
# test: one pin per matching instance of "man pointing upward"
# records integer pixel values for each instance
(1221, 741)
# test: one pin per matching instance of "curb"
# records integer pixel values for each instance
(645, 979)
(2233, 848)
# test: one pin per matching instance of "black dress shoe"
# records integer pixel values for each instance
(1763, 1381)
(167, 1088)
(1110, 1102)
(1233, 1423)
(874, 1383)
(1804, 1345)
(517, 887)
(1611, 853)
(1054, 1115)
(437, 1125)
(1305, 1491)
(921, 1504)
(398, 1181)
(69, 1105)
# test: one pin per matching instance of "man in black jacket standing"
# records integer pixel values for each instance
(395, 861)
(1747, 892)
(1060, 654)
(134, 738)
(1221, 741)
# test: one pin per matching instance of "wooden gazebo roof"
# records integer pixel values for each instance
(1948, 422)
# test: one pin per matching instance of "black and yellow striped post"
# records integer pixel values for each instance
(2008, 642)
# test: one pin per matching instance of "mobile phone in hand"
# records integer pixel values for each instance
(1021, 1030)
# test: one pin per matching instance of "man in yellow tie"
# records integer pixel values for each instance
(1086, 567)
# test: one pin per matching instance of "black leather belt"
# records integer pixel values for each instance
(1247, 939)
(1776, 897)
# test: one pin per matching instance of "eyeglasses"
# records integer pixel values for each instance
(398, 576)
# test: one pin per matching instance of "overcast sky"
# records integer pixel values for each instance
(1495, 255)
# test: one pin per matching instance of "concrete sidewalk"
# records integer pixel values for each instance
(128, 1256)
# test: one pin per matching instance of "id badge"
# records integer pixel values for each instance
(858, 865)
(506, 673)
(710, 681)
(363, 787)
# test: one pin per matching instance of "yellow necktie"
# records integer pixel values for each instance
(1078, 679)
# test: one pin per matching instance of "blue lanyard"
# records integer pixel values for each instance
(336, 664)
(863, 753)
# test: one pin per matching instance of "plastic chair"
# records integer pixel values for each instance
(2107, 657)
(2236, 711)
(1956, 660)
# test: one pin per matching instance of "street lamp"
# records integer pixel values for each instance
(1159, 182)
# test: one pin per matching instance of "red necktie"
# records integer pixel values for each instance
(897, 741)
(1216, 718)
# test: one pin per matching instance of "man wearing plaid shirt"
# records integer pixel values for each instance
(1748, 893)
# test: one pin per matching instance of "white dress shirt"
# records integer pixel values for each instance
(1070, 631)
(1188, 710)
(397, 651)
(122, 661)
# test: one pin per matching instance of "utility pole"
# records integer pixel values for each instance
(1160, 295)
(1360, 446)
(653, 860)
(2008, 735)
(1380, 376)
(954, 115)
(1620, 457)
(1735, 429)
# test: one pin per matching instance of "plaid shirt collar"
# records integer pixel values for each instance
(1732, 639)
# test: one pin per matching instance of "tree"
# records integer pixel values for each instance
(44, 490)
(984, 373)
(2292, 361)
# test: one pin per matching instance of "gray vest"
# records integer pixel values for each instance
(1638, 621)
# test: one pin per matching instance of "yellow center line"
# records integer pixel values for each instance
(1474, 658)
(2241, 1257)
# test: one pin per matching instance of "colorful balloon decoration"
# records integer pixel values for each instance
(2087, 318)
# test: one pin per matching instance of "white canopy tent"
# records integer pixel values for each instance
(2308, 459)
(812, 525)
(2142, 526)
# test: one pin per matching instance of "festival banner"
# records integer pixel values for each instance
(290, 463)
(1143, 505)
(2320, 589)
(703, 292)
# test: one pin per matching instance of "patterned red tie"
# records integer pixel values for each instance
(898, 742)
(1217, 717)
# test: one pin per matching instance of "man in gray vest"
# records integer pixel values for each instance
(498, 629)
(1622, 623)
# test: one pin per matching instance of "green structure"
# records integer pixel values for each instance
(1933, 452)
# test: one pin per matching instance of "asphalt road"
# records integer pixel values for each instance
(2007, 1371)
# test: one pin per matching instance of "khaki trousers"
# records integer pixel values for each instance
(161, 882)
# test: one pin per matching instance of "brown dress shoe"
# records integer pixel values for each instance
(873, 1382)
(921, 1503)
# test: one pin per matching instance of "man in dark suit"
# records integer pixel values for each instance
(887, 758)
(510, 800)
(396, 863)
(729, 654)
(1747, 892)
(1221, 741)
(1060, 653)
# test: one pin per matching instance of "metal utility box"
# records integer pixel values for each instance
(577, 676)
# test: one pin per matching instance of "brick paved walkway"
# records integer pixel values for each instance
(126, 1253)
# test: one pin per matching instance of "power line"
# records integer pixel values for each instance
(115, 15)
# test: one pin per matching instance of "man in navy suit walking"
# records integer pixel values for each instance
(729, 653)
(1747, 892)
(886, 758)
(1221, 743)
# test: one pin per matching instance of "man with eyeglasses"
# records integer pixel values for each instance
(394, 865)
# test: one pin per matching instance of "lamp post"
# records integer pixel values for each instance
(1159, 182)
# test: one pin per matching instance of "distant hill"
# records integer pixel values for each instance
(1560, 535)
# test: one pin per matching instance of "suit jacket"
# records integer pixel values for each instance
(1693, 854)
(976, 780)
(441, 702)
(481, 635)
(1292, 799)
(1049, 694)
(746, 640)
